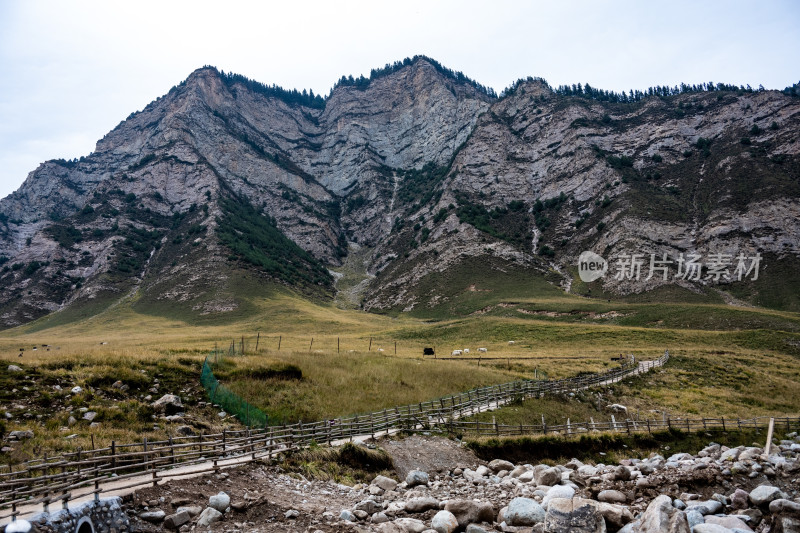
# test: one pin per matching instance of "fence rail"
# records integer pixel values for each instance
(91, 472)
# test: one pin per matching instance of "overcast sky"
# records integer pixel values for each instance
(71, 71)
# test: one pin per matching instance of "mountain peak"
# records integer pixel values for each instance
(417, 177)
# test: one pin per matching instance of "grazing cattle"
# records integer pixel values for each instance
(428, 351)
(465, 350)
(510, 343)
(456, 352)
(484, 350)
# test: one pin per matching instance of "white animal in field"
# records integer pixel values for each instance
(511, 342)
(380, 349)
(456, 352)
(465, 350)
(484, 350)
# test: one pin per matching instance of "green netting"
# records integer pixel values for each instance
(231, 402)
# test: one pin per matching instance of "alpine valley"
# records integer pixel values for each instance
(406, 190)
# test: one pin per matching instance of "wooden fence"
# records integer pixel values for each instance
(123, 466)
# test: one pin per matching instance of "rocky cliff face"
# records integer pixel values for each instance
(421, 172)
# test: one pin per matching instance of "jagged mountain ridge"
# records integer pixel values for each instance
(424, 170)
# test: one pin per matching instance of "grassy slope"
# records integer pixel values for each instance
(727, 361)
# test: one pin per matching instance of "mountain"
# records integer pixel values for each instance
(404, 191)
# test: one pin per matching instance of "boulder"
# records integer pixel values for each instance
(499, 464)
(622, 473)
(710, 528)
(14, 368)
(154, 517)
(784, 506)
(763, 494)
(411, 525)
(193, 510)
(18, 526)
(524, 512)
(574, 515)
(371, 506)
(548, 476)
(185, 431)
(416, 477)
(292, 514)
(694, 517)
(386, 483)
(208, 517)
(731, 454)
(740, 499)
(176, 520)
(557, 491)
(518, 471)
(706, 507)
(444, 522)
(526, 477)
(220, 502)
(615, 516)
(379, 518)
(661, 517)
(20, 435)
(347, 516)
(390, 527)
(422, 504)
(749, 454)
(730, 522)
(612, 496)
(470, 511)
(785, 524)
(168, 404)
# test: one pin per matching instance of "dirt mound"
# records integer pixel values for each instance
(429, 454)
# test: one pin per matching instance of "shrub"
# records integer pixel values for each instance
(703, 143)
(619, 162)
(657, 158)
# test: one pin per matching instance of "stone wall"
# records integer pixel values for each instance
(103, 516)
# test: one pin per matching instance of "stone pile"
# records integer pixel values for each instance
(682, 493)
(718, 490)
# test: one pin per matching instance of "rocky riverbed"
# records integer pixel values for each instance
(717, 490)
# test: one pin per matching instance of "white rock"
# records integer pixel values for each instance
(444, 522)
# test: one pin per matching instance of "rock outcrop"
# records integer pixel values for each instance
(415, 172)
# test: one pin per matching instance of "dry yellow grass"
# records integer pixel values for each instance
(739, 362)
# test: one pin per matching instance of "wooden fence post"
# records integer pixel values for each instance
(96, 482)
(280, 338)
(258, 338)
(769, 436)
